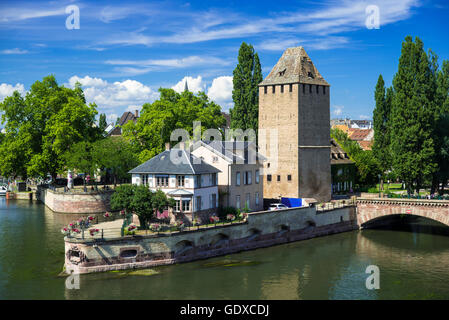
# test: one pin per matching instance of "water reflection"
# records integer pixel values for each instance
(412, 265)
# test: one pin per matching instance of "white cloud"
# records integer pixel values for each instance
(221, 91)
(7, 90)
(314, 25)
(25, 12)
(173, 63)
(338, 110)
(194, 84)
(14, 51)
(115, 97)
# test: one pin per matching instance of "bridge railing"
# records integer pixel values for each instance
(336, 204)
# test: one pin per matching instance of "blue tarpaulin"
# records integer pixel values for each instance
(292, 202)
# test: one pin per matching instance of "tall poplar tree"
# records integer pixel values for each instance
(381, 122)
(245, 94)
(413, 116)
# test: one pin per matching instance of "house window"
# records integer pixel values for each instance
(274, 89)
(161, 181)
(248, 200)
(265, 89)
(237, 202)
(213, 201)
(249, 177)
(279, 177)
(257, 176)
(268, 177)
(214, 179)
(186, 205)
(198, 203)
(282, 88)
(144, 178)
(257, 198)
(177, 205)
(290, 87)
(289, 177)
(237, 178)
(180, 180)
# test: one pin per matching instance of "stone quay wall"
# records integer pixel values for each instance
(93, 202)
(261, 229)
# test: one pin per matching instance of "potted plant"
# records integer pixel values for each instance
(94, 231)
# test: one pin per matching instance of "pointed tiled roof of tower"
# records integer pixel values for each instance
(294, 66)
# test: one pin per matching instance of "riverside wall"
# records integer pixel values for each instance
(261, 229)
(75, 201)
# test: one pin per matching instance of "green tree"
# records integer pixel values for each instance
(412, 120)
(114, 154)
(381, 123)
(245, 94)
(171, 111)
(122, 198)
(102, 124)
(160, 201)
(80, 157)
(42, 126)
(141, 204)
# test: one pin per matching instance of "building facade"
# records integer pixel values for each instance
(190, 181)
(240, 182)
(294, 101)
(343, 170)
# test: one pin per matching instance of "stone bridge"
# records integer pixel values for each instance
(369, 209)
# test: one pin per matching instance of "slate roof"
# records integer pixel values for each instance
(226, 149)
(294, 66)
(338, 155)
(183, 163)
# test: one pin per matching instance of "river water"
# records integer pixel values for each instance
(413, 263)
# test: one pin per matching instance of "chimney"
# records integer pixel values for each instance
(167, 146)
(137, 113)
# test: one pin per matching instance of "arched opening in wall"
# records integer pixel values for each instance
(407, 223)
(253, 234)
(311, 224)
(219, 240)
(182, 247)
(283, 229)
(128, 253)
(74, 256)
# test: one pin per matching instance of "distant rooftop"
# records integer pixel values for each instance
(294, 66)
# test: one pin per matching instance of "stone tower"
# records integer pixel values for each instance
(294, 99)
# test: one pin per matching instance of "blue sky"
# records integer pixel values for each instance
(124, 51)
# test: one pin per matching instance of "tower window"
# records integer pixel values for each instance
(282, 88)
(290, 87)
(303, 88)
(268, 177)
(289, 177)
(310, 88)
(324, 89)
(274, 89)
(317, 88)
(279, 177)
(265, 89)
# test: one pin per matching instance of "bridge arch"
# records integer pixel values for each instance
(369, 210)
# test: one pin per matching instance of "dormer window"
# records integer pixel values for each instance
(310, 74)
(281, 73)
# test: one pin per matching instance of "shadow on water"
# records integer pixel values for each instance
(408, 223)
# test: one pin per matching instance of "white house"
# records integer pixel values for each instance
(189, 180)
(240, 180)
